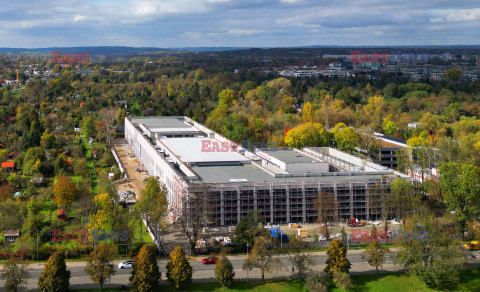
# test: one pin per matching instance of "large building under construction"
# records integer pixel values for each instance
(285, 185)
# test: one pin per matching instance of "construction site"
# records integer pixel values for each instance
(284, 185)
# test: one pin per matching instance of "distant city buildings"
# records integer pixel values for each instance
(414, 66)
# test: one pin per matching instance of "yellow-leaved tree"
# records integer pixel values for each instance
(307, 113)
(308, 134)
(100, 220)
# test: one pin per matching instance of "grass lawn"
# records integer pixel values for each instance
(255, 286)
(90, 165)
(144, 235)
(469, 279)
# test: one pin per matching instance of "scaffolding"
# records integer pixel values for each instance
(295, 202)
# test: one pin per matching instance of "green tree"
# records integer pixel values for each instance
(404, 198)
(236, 128)
(33, 155)
(55, 276)
(120, 116)
(453, 75)
(248, 229)
(346, 139)
(153, 204)
(216, 117)
(145, 273)
(224, 271)
(375, 254)
(99, 264)
(389, 127)
(262, 256)
(60, 164)
(14, 273)
(461, 190)
(391, 91)
(80, 167)
(48, 140)
(199, 74)
(65, 191)
(179, 271)
(337, 258)
(88, 127)
(430, 123)
(34, 135)
(427, 250)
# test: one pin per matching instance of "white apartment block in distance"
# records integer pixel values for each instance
(283, 184)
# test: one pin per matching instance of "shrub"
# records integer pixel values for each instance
(342, 280)
(145, 272)
(224, 272)
(316, 282)
(55, 276)
(337, 258)
(179, 271)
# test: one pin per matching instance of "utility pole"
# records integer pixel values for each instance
(248, 268)
(281, 238)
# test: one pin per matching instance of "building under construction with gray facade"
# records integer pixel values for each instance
(284, 185)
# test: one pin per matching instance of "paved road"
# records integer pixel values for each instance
(201, 273)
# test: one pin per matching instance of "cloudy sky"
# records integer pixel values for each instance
(246, 23)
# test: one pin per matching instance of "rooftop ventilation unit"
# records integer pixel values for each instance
(219, 163)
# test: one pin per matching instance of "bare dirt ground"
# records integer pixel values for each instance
(135, 182)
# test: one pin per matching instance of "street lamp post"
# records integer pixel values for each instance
(248, 268)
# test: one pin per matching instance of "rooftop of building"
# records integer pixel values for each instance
(290, 156)
(252, 173)
(209, 157)
(389, 141)
(201, 149)
(161, 122)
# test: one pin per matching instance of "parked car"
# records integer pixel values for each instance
(396, 222)
(126, 265)
(210, 261)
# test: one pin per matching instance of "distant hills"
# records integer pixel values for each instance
(124, 50)
(115, 50)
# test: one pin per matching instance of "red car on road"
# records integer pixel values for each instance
(210, 261)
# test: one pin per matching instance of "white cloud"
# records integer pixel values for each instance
(79, 17)
(454, 15)
(238, 22)
(245, 31)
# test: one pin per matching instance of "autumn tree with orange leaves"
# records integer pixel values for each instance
(65, 191)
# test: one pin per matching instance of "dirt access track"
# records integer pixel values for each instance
(135, 182)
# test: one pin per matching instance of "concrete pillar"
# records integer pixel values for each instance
(304, 204)
(288, 203)
(255, 199)
(367, 199)
(222, 207)
(351, 200)
(272, 219)
(239, 207)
